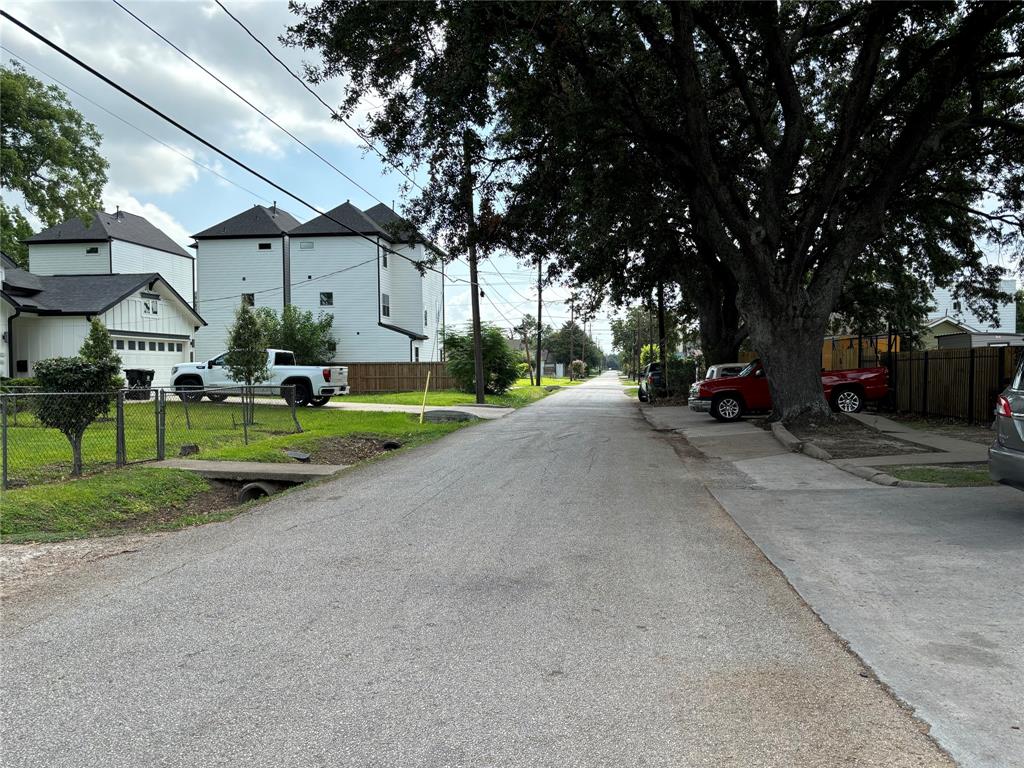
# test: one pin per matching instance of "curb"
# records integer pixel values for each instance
(791, 442)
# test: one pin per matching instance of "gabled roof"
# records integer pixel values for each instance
(87, 294)
(392, 223)
(258, 221)
(934, 323)
(105, 226)
(346, 219)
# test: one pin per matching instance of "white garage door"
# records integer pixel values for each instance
(159, 355)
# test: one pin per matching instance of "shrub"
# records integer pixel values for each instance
(310, 338)
(72, 414)
(577, 369)
(98, 348)
(523, 370)
(500, 363)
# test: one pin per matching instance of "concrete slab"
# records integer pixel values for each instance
(926, 586)
(977, 456)
(786, 470)
(252, 470)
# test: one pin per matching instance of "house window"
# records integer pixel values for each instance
(160, 347)
(332, 346)
(384, 260)
(92, 249)
(424, 318)
(131, 345)
(956, 306)
(21, 366)
(150, 305)
(249, 299)
(416, 354)
(152, 346)
(119, 344)
(326, 299)
(305, 245)
(177, 347)
(264, 246)
(385, 305)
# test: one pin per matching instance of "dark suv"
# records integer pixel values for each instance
(650, 381)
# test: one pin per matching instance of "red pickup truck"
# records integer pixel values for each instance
(731, 398)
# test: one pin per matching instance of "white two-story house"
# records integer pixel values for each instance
(362, 267)
(118, 267)
(244, 258)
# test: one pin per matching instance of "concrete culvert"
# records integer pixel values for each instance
(258, 489)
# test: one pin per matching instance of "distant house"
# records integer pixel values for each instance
(45, 316)
(359, 266)
(951, 316)
(112, 243)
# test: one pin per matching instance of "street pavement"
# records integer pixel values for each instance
(554, 588)
(924, 583)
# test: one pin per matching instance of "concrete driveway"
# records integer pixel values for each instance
(554, 588)
(926, 584)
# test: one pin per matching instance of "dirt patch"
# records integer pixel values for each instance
(975, 433)
(221, 495)
(846, 438)
(346, 450)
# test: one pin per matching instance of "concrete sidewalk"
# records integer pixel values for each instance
(924, 583)
(948, 450)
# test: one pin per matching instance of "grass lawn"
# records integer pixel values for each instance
(106, 502)
(521, 394)
(631, 391)
(956, 475)
(38, 454)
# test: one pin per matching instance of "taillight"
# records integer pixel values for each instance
(1003, 407)
(327, 374)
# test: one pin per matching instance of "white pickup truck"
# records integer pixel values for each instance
(314, 384)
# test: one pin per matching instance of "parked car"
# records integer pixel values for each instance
(732, 398)
(717, 371)
(650, 377)
(1006, 454)
(314, 384)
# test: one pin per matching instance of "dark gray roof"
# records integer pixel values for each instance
(7, 261)
(258, 221)
(399, 229)
(346, 219)
(85, 294)
(18, 280)
(119, 226)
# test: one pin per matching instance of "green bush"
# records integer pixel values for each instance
(523, 370)
(578, 369)
(501, 368)
(310, 338)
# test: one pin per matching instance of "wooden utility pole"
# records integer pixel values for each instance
(662, 345)
(467, 183)
(540, 325)
(571, 334)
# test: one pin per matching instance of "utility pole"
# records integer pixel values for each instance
(583, 355)
(572, 326)
(467, 183)
(662, 347)
(636, 347)
(540, 325)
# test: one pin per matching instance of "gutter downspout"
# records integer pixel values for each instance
(286, 268)
(10, 342)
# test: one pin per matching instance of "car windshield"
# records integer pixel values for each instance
(751, 367)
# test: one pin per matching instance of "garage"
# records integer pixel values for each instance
(157, 353)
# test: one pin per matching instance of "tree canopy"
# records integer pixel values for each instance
(49, 155)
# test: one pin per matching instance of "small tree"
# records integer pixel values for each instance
(310, 338)
(88, 385)
(649, 353)
(578, 369)
(247, 356)
(500, 363)
(98, 348)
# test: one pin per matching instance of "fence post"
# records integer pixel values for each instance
(246, 394)
(120, 450)
(924, 387)
(160, 425)
(3, 440)
(294, 408)
(970, 388)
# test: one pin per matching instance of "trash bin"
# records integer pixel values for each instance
(139, 382)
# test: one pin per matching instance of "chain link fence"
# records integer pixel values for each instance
(50, 436)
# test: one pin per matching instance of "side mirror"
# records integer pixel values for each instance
(760, 373)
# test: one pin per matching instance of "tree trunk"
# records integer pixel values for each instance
(789, 345)
(76, 454)
(478, 353)
(662, 346)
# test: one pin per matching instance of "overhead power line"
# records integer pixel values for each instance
(205, 142)
(234, 296)
(130, 124)
(246, 101)
(338, 116)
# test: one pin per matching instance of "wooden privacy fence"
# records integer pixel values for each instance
(953, 383)
(364, 378)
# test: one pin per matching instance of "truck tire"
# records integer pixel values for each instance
(847, 400)
(216, 398)
(303, 391)
(727, 407)
(189, 388)
(318, 402)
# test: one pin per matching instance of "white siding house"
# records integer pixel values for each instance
(152, 326)
(383, 308)
(949, 308)
(244, 256)
(112, 243)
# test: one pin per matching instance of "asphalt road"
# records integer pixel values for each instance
(555, 588)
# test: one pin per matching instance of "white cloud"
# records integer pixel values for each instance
(159, 218)
(151, 168)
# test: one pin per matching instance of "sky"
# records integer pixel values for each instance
(153, 170)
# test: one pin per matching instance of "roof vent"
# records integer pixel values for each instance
(274, 209)
(118, 215)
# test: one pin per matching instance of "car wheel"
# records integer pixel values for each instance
(216, 398)
(641, 396)
(318, 402)
(847, 401)
(188, 390)
(303, 393)
(727, 408)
